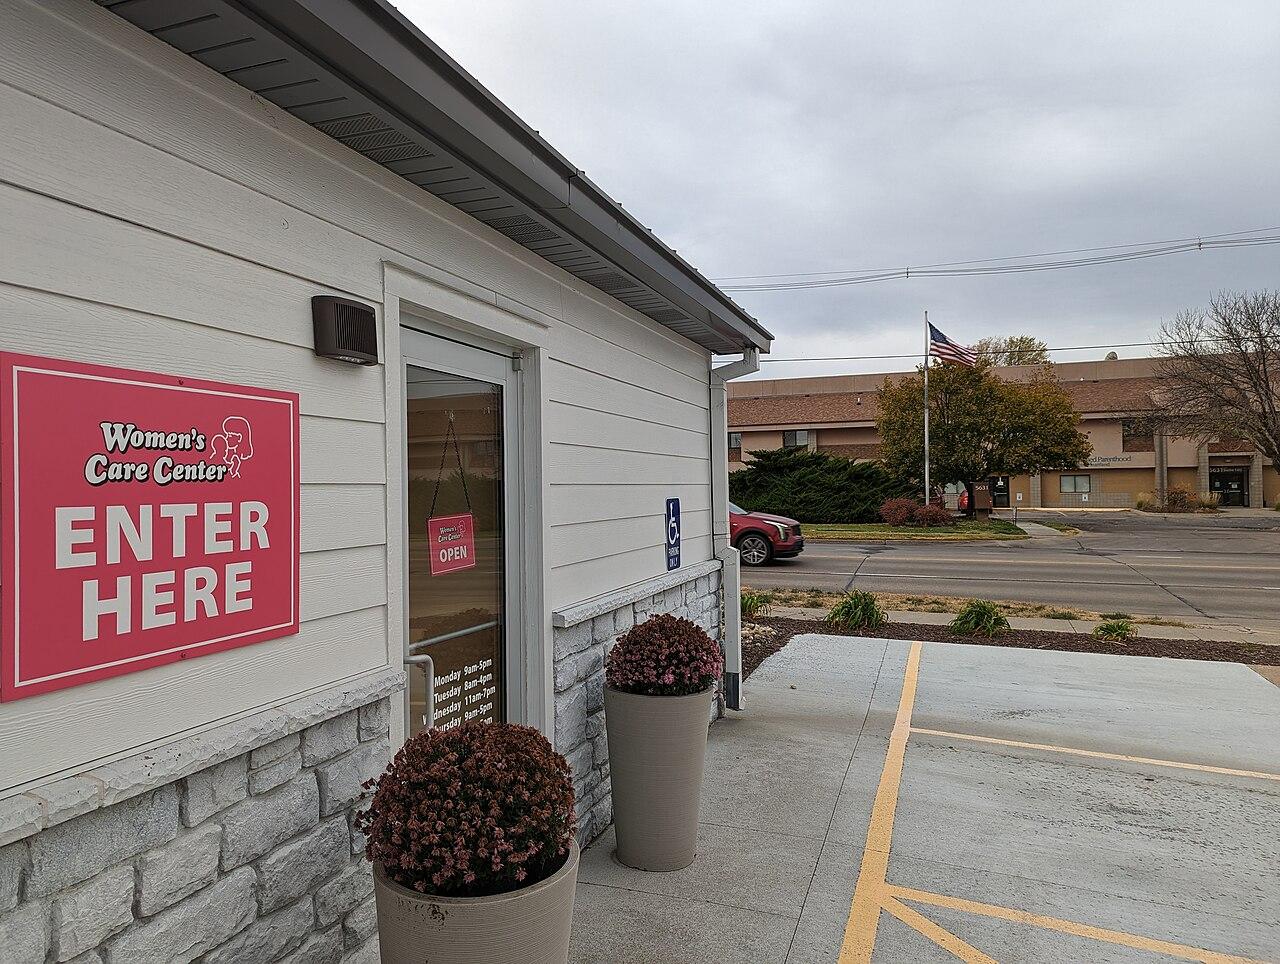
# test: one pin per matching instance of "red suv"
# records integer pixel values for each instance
(761, 537)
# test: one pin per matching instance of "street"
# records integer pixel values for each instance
(1222, 567)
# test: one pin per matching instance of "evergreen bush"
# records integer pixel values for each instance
(814, 487)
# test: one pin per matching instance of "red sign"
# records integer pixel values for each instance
(452, 539)
(146, 519)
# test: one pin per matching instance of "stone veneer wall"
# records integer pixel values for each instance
(251, 860)
(580, 648)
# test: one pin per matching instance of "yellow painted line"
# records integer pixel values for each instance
(940, 936)
(1098, 754)
(864, 914)
(1182, 951)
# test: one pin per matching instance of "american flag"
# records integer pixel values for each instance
(940, 346)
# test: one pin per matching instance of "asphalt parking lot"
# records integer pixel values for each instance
(888, 801)
(1214, 567)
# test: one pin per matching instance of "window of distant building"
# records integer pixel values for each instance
(1074, 483)
(735, 440)
(798, 439)
(1136, 437)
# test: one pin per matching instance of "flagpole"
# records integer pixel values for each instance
(926, 407)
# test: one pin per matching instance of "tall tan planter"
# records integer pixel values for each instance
(657, 752)
(527, 926)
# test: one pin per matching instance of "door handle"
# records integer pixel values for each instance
(429, 668)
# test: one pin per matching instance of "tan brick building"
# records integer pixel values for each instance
(837, 414)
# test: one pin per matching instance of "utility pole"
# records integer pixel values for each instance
(926, 407)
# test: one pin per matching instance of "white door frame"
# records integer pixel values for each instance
(472, 337)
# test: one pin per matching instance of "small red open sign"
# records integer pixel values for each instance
(452, 539)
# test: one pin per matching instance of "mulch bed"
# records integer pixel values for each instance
(1248, 653)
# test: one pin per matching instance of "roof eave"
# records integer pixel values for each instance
(377, 50)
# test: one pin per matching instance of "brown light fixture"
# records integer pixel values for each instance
(345, 330)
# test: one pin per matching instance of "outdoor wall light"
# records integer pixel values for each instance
(345, 330)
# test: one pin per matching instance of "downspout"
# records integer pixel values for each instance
(730, 579)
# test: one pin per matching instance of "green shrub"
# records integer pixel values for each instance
(980, 617)
(814, 486)
(755, 603)
(857, 610)
(1114, 630)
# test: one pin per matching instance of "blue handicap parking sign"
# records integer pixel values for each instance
(673, 534)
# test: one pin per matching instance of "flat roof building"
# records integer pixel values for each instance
(222, 551)
(837, 414)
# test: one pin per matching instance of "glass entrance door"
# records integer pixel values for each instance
(457, 497)
(1230, 485)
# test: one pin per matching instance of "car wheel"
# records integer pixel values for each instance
(754, 549)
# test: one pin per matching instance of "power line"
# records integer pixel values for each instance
(988, 267)
(990, 351)
(1012, 257)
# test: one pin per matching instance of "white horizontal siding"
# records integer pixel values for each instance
(56, 733)
(168, 220)
(49, 323)
(588, 578)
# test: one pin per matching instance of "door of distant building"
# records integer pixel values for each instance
(1230, 484)
(999, 491)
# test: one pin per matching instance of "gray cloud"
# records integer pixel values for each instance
(764, 138)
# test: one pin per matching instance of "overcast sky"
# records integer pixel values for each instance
(761, 138)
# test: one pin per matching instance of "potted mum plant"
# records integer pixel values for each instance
(471, 835)
(659, 678)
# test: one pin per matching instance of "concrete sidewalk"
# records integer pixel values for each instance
(1025, 805)
(1219, 632)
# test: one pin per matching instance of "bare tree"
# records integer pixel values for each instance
(1220, 375)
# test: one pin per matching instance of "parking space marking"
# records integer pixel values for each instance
(869, 891)
(939, 935)
(873, 893)
(1135, 941)
(1099, 754)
